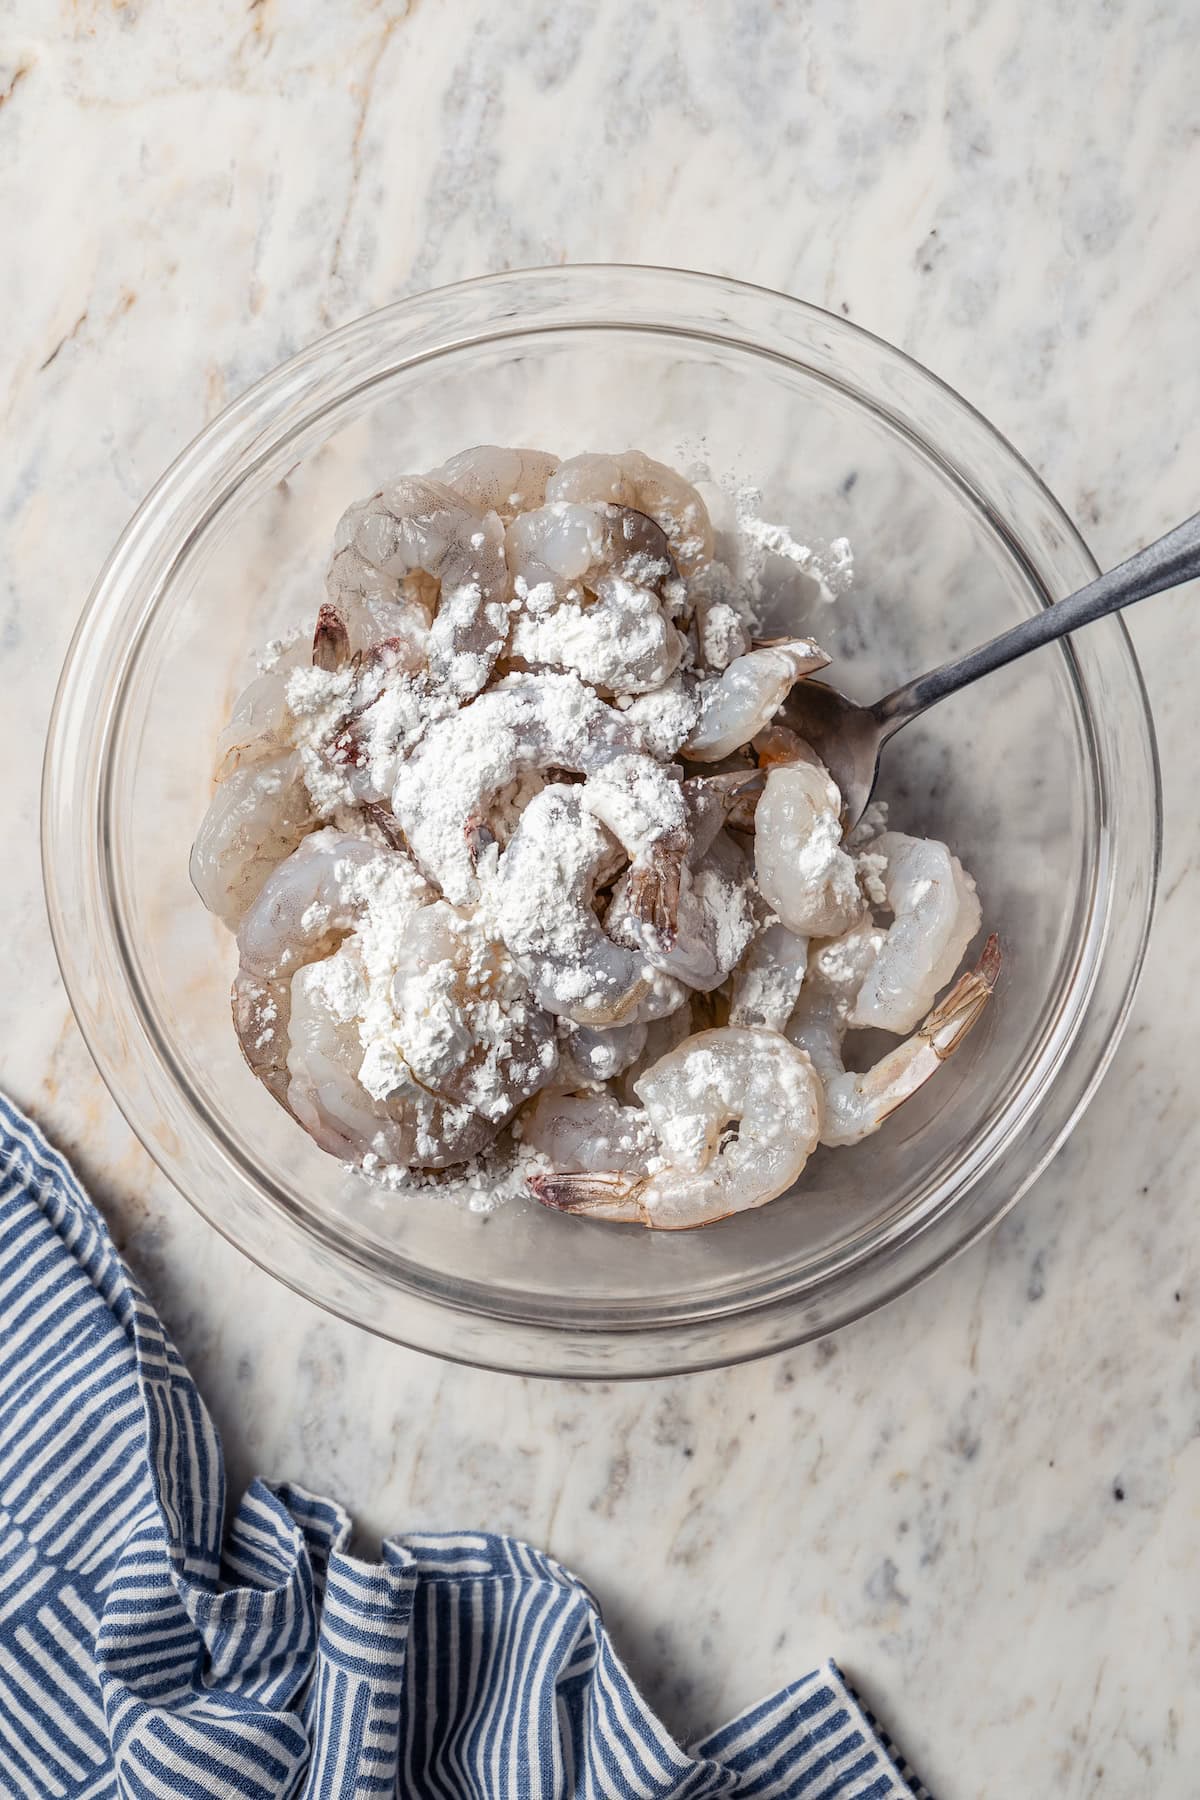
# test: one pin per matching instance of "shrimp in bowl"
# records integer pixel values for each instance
(528, 875)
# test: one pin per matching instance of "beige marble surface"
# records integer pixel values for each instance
(986, 1500)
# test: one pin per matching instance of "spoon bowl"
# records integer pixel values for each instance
(849, 738)
(846, 736)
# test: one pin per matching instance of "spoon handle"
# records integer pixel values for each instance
(1165, 563)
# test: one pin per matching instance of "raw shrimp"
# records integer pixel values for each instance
(542, 900)
(803, 873)
(714, 915)
(306, 905)
(409, 1127)
(589, 1132)
(445, 787)
(662, 1035)
(836, 969)
(756, 1079)
(262, 1013)
(720, 617)
(313, 898)
(258, 815)
(260, 724)
(857, 1104)
(767, 981)
(463, 1024)
(416, 1049)
(594, 1053)
(739, 702)
(495, 479)
(417, 564)
(634, 479)
(590, 596)
(360, 724)
(936, 914)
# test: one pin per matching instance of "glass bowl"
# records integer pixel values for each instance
(1044, 780)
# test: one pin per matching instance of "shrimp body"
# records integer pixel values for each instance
(756, 1079)
(461, 1024)
(597, 1053)
(260, 724)
(258, 815)
(742, 700)
(495, 479)
(635, 479)
(590, 596)
(803, 873)
(413, 1043)
(591, 1133)
(312, 899)
(408, 1127)
(306, 908)
(446, 786)
(936, 914)
(769, 977)
(857, 1104)
(543, 905)
(417, 563)
(714, 913)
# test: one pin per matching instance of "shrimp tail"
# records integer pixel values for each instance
(331, 639)
(653, 894)
(949, 1022)
(614, 1197)
(740, 795)
(385, 819)
(480, 837)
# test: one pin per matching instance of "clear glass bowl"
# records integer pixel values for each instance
(1044, 780)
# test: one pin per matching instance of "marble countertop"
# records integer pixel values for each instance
(985, 1500)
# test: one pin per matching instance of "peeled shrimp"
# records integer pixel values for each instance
(714, 917)
(314, 897)
(464, 1026)
(768, 979)
(445, 787)
(594, 1053)
(803, 873)
(662, 1035)
(308, 903)
(417, 564)
(590, 595)
(495, 479)
(422, 1067)
(755, 1079)
(589, 1132)
(739, 702)
(262, 1012)
(937, 913)
(542, 900)
(260, 724)
(634, 479)
(257, 817)
(409, 1127)
(857, 1104)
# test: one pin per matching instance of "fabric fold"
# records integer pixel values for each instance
(150, 1648)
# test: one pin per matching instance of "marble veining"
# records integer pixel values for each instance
(985, 1498)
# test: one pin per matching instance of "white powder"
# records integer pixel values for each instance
(442, 1011)
(830, 564)
(872, 866)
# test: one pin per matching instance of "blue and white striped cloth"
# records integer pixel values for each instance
(149, 1649)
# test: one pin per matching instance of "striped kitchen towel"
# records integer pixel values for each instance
(149, 1648)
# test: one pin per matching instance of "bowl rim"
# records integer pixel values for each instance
(428, 1322)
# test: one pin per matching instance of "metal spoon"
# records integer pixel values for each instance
(849, 738)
